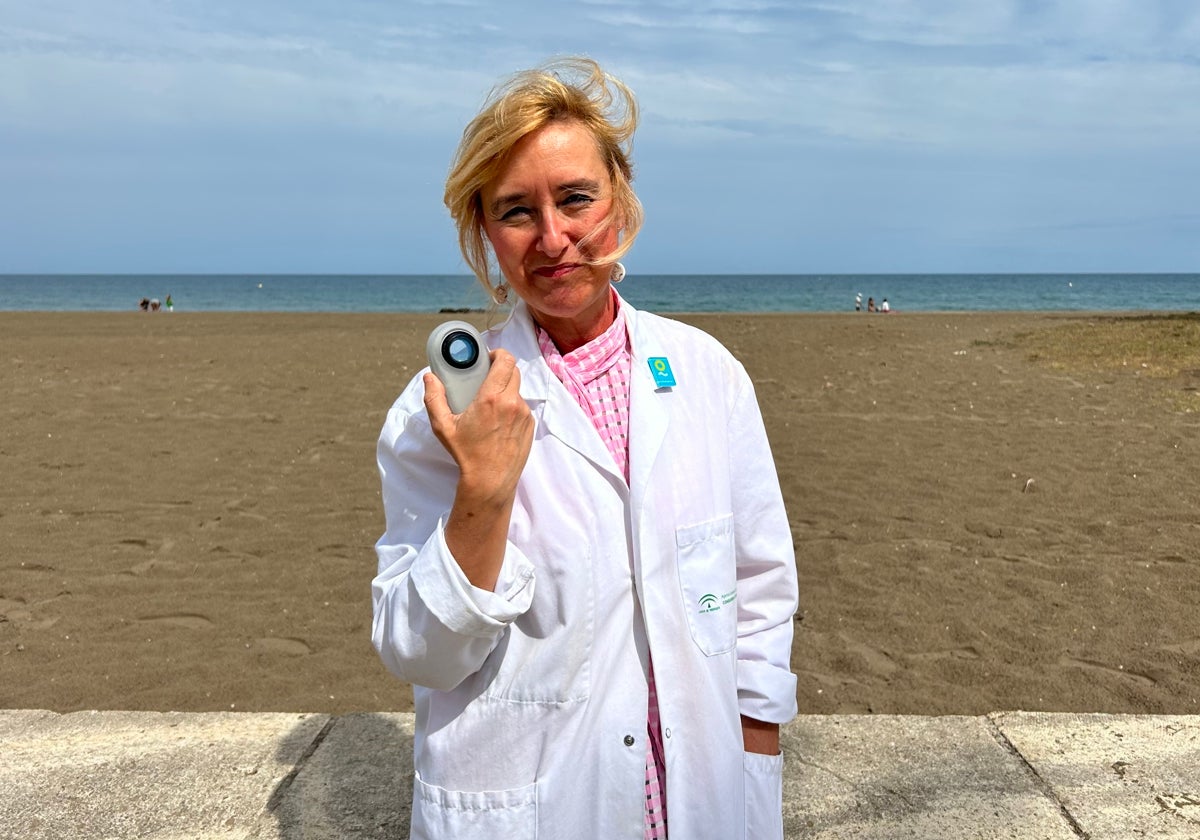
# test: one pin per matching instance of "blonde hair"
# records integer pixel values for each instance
(566, 90)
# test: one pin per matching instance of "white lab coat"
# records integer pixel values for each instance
(531, 700)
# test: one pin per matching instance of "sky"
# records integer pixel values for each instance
(831, 136)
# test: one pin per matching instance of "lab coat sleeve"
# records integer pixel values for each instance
(431, 626)
(766, 569)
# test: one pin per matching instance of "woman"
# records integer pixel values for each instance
(587, 575)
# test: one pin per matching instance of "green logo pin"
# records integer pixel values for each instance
(660, 368)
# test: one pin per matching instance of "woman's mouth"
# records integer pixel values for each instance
(554, 272)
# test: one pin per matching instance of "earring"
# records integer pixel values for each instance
(618, 273)
(500, 293)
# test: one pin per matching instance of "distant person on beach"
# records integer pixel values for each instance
(858, 302)
(144, 304)
(884, 307)
(588, 574)
(870, 304)
(170, 304)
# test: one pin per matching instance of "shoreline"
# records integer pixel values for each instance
(455, 310)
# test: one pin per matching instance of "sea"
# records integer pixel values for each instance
(665, 293)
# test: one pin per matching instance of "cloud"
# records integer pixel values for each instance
(918, 71)
(99, 98)
(159, 70)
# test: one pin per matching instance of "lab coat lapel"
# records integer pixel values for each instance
(648, 407)
(554, 409)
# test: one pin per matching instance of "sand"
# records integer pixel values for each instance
(188, 504)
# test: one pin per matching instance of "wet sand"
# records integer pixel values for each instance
(188, 503)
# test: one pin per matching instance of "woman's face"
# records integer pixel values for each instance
(554, 190)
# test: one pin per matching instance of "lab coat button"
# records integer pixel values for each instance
(629, 740)
(667, 733)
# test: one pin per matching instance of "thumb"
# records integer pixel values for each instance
(435, 401)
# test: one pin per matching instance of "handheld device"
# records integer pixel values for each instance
(458, 357)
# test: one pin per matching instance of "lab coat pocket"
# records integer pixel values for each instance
(708, 580)
(764, 796)
(439, 813)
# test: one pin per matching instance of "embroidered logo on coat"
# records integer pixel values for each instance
(710, 603)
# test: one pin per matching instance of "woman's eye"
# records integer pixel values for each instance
(515, 214)
(577, 200)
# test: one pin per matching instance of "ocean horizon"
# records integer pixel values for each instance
(665, 293)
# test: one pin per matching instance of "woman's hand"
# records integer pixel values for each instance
(490, 442)
(760, 737)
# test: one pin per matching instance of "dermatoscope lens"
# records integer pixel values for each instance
(460, 349)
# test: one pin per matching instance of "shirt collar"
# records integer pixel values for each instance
(593, 359)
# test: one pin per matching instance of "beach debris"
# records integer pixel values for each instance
(1028, 488)
(1174, 803)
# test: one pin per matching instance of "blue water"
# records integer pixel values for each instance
(658, 293)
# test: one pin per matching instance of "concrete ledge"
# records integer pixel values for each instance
(91, 775)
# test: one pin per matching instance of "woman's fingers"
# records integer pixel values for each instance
(491, 438)
(498, 416)
(503, 374)
(499, 379)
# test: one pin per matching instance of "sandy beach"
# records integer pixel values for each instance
(188, 504)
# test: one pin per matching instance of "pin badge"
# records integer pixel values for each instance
(660, 368)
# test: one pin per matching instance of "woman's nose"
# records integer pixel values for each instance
(552, 234)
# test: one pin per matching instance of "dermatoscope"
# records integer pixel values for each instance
(458, 357)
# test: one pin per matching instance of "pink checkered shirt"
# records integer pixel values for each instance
(597, 376)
